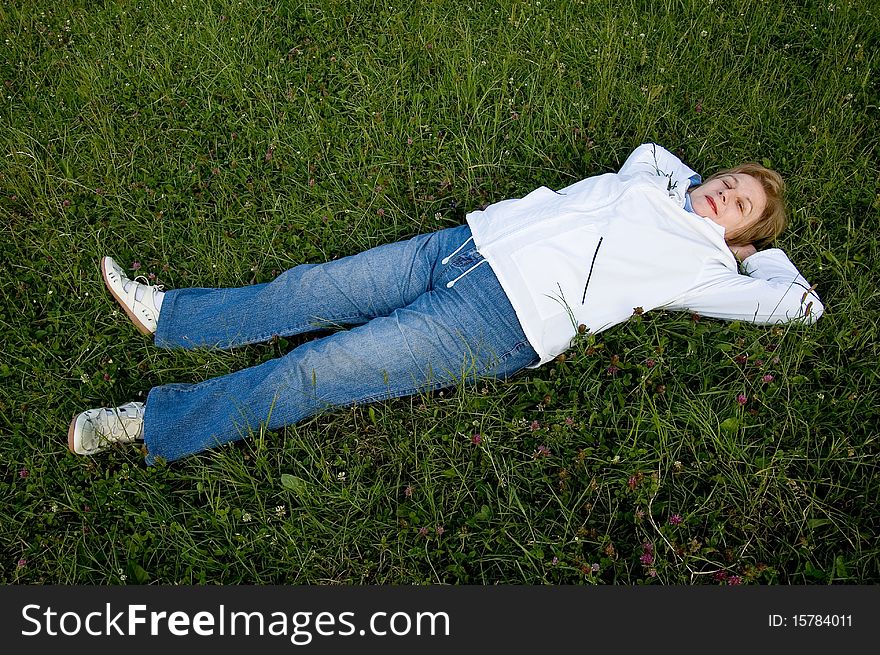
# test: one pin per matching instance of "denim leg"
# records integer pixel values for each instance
(346, 291)
(444, 337)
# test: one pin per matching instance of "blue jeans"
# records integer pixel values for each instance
(415, 332)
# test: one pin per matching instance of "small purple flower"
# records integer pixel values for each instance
(612, 370)
(135, 265)
(767, 379)
(650, 363)
(542, 451)
(647, 559)
(22, 563)
(23, 473)
(423, 532)
(66, 203)
(535, 426)
(734, 580)
(652, 572)
(569, 421)
(555, 561)
(721, 576)
(632, 482)
(595, 568)
(699, 107)
(648, 547)
(440, 530)
(675, 519)
(477, 439)
(741, 359)
(408, 491)
(151, 276)
(741, 399)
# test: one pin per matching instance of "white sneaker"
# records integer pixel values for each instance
(143, 312)
(96, 430)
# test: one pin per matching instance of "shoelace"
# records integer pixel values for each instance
(146, 283)
(121, 426)
(150, 290)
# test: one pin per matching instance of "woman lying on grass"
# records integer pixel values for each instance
(430, 314)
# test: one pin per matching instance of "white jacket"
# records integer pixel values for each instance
(594, 251)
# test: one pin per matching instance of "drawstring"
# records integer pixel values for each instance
(446, 259)
(451, 282)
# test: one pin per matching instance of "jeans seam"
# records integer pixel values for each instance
(267, 336)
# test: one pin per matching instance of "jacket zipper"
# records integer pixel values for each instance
(590, 274)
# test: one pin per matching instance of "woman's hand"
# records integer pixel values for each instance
(741, 252)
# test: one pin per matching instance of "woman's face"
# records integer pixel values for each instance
(733, 201)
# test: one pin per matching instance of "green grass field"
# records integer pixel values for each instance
(217, 144)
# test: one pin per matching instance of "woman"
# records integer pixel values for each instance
(430, 314)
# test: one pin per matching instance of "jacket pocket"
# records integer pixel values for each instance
(555, 270)
(590, 274)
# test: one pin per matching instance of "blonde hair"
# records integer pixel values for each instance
(772, 221)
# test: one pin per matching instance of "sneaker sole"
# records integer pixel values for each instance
(70, 432)
(140, 326)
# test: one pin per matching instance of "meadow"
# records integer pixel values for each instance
(219, 143)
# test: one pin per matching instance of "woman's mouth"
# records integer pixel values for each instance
(711, 202)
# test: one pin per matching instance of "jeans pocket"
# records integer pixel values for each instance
(466, 259)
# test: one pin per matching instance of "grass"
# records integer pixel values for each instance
(219, 143)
